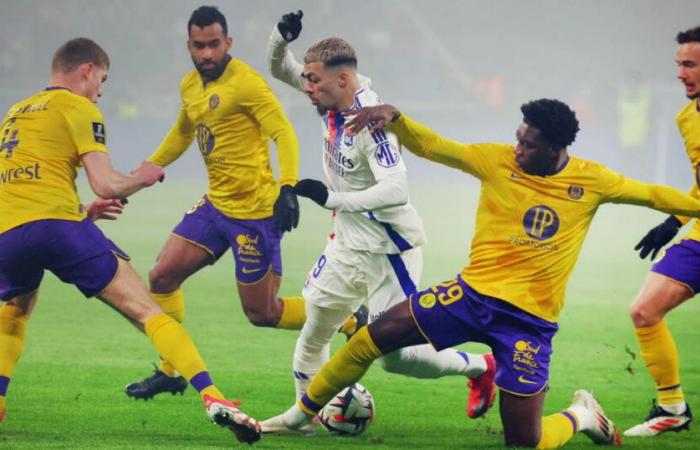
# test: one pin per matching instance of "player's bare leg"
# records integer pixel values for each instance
(13, 320)
(260, 302)
(128, 295)
(656, 298)
(177, 261)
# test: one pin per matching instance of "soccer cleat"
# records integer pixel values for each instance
(226, 414)
(602, 430)
(482, 390)
(155, 384)
(290, 423)
(361, 318)
(660, 420)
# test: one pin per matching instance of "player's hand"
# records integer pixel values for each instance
(107, 209)
(658, 236)
(313, 189)
(286, 209)
(289, 25)
(148, 173)
(374, 117)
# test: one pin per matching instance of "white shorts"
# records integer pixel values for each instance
(344, 279)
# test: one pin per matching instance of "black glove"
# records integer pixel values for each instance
(289, 25)
(313, 189)
(286, 209)
(658, 236)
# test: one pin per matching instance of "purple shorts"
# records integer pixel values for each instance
(452, 313)
(255, 242)
(76, 252)
(681, 262)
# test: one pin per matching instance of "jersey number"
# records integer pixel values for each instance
(9, 139)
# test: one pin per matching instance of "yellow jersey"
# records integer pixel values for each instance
(41, 141)
(688, 121)
(233, 118)
(529, 229)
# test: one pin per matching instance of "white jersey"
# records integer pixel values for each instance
(365, 173)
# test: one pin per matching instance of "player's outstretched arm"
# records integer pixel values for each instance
(388, 192)
(280, 59)
(109, 183)
(106, 209)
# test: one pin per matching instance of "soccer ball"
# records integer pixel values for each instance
(350, 412)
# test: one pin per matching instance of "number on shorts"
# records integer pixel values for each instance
(319, 266)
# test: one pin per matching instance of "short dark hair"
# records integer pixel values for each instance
(691, 35)
(205, 16)
(332, 52)
(76, 52)
(555, 120)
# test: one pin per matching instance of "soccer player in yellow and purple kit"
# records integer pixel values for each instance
(535, 208)
(231, 111)
(675, 276)
(46, 138)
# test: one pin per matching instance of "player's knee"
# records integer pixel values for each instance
(261, 316)
(162, 282)
(643, 316)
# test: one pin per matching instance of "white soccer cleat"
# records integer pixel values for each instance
(601, 430)
(226, 414)
(660, 420)
(292, 421)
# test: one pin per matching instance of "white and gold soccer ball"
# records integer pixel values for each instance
(350, 412)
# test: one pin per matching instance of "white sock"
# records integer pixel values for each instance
(675, 408)
(586, 418)
(422, 361)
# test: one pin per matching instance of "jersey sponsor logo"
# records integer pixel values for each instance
(348, 140)
(213, 101)
(98, 132)
(336, 160)
(541, 222)
(27, 173)
(575, 192)
(247, 271)
(387, 155)
(248, 245)
(205, 139)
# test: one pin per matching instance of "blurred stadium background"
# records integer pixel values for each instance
(462, 67)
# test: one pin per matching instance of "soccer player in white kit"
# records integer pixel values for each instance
(374, 253)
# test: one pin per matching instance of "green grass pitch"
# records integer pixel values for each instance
(67, 391)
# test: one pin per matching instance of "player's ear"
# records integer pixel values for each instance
(343, 78)
(229, 43)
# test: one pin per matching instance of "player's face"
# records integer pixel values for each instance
(688, 61)
(533, 153)
(323, 86)
(209, 48)
(95, 77)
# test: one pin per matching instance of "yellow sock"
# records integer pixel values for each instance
(344, 368)
(12, 326)
(557, 429)
(174, 344)
(659, 352)
(173, 304)
(293, 313)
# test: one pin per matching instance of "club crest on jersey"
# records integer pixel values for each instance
(348, 140)
(98, 132)
(214, 101)
(205, 139)
(575, 192)
(387, 155)
(541, 222)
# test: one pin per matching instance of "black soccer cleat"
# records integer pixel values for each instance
(361, 318)
(156, 384)
(659, 420)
